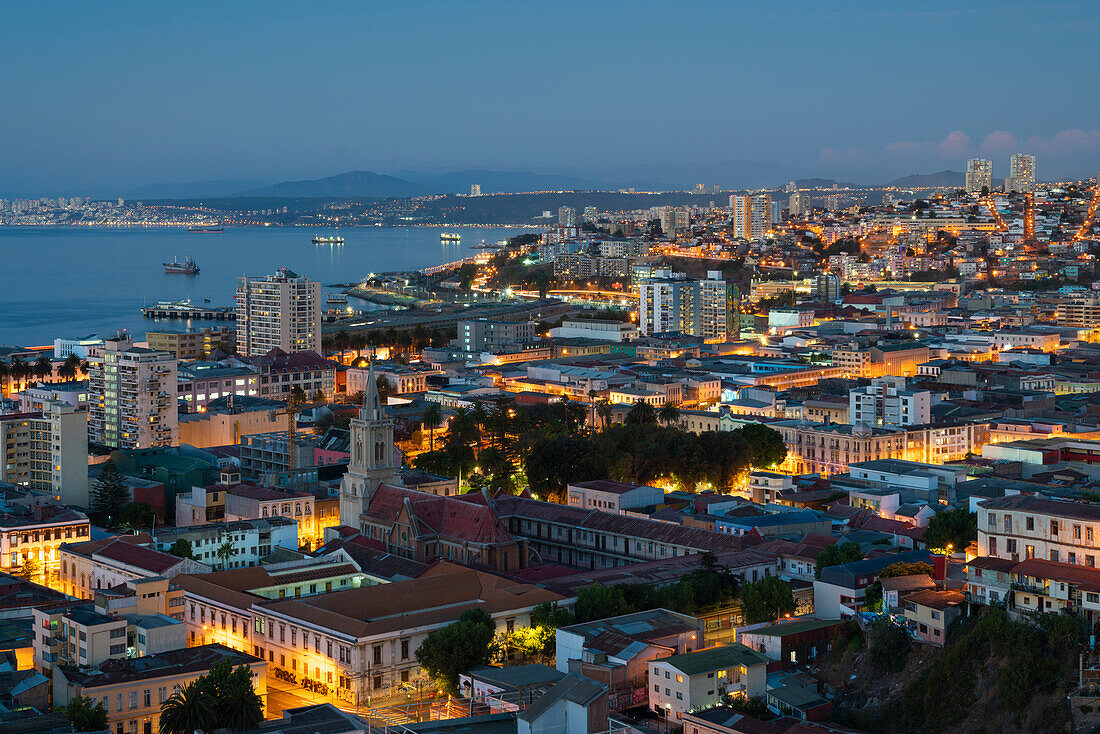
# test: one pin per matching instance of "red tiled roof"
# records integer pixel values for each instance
(138, 556)
(1080, 576)
(447, 517)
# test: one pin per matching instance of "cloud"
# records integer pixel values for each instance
(956, 144)
(1065, 142)
(843, 155)
(999, 141)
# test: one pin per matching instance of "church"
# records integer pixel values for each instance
(412, 524)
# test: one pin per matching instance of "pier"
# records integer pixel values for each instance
(185, 310)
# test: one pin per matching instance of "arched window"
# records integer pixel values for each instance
(265, 511)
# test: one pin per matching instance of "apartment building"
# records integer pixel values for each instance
(200, 383)
(131, 396)
(88, 635)
(1021, 527)
(281, 372)
(47, 450)
(34, 535)
(1021, 173)
(251, 539)
(695, 307)
(886, 402)
(751, 215)
(248, 502)
(979, 175)
(193, 343)
(1078, 312)
(601, 329)
(617, 497)
(489, 335)
(132, 691)
(279, 311)
(102, 564)
(703, 678)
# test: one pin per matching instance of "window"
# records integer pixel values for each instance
(1053, 527)
(404, 649)
(377, 654)
(1076, 532)
(679, 695)
(147, 698)
(133, 699)
(1029, 523)
(679, 679)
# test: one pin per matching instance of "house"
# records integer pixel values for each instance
(524, 680)
(698, 679)
(989, 580)
(896, 587)
(608, 496)
(795, 523)
(840, 590)
(575, 705)
(799, 703)
(930, 612)
(252, 540)
(793, 642)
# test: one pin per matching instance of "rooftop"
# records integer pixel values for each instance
(714, 658)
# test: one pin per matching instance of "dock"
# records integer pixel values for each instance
(186, 310)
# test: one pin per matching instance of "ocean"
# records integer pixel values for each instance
(77, 281)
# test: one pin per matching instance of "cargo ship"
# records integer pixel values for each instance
(449, 237)
(320, 240)
(187, 267)
(205, 228)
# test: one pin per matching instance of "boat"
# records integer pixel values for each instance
(450, 237)
(321, 240)
(337, 298)
(187, 267)
(483, 245)
(205, 228)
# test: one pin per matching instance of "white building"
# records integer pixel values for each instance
(608, 496)
(979, 174)
(696, 307)
(681, 683)
(281, 311)
(1021, 173)
(601, 329)
(800, 203)
(132, 396)
(251, 539)
(80, 346)
(752, 215)
(886, 402)
(47, 450)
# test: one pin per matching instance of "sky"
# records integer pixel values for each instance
(121, 94)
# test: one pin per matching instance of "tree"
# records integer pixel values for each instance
(604, 411)
(767, 445)
(669, 414)
(297, 396)
(985, 191)
(5, 375)
(319, 397)
(902, 568)
(599, 602)
(448, 652)
(109, 494)
(137, 515)
(69, 369)
(225, 552)
(237, 707)
(85, 715)
(384, 389)
(641, 413)
(431, 419)
(43, 368)
(890, 647)
(837, 554)
(190, 710)
(768, 598)
(182, 549)
(957, 527)
(31, 569)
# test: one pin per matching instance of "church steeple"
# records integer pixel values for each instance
(373, 455)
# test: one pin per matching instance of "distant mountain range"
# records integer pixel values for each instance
(927, 180)
(730, 175)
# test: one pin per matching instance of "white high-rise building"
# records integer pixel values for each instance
(1021, 173)
(475, 189)
(800, 204)
(47, 450)
(131, 396)
(696, 307)
(886, 402)
(751, 215)
(567, 216)
(979, 173)
(278, 311)
(590, 215)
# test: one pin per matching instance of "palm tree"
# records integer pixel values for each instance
(592, 408)
(242, 709)
(43, 367)
(641, 412)
(188, 711)
(225, 552)
(431, 419)
(68, 370)
(5, 373)
(604, 410)
(18, 372)
(84, 367)
(668, 414)
(481, 419)
(358, 342)
(341, 340)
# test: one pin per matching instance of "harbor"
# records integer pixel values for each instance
(187, 310)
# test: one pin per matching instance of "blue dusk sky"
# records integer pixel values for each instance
(120, 94)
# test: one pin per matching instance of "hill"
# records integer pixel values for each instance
(825, 183)
(192, 190)
(351, 185)
(941, 179)
(506, 182)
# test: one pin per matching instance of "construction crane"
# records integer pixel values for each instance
(290, 411)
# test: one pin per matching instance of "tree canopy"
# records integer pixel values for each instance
(837, 554)
(446, 653)
(109, 494)
(85, 715)
(768, 598)
(958, 527)
(765, 443)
